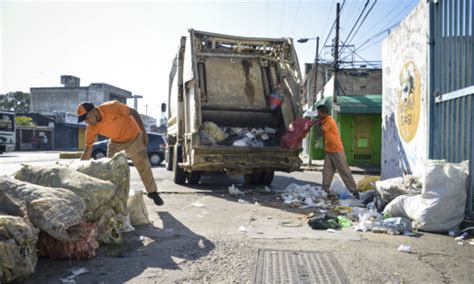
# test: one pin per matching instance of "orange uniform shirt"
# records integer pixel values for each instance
(116, 124)
(332, 139)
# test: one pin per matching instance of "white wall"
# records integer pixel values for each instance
(405, 114)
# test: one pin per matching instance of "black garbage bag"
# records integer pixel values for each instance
(323, 222)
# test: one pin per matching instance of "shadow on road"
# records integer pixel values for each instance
(145, 248)
(218, 183)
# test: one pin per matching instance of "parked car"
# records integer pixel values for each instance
(155, 148)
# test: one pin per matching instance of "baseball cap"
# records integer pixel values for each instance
(82, 110)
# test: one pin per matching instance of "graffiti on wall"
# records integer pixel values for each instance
(409, 101)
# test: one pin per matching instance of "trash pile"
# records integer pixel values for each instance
(62, 211)
(211, 134)
(434, 202)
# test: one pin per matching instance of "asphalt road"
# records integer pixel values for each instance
(203, 234)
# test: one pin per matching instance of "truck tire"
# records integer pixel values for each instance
(253, 178)
(169, 158)
(267, 177)
(194, 177)
(179, 175)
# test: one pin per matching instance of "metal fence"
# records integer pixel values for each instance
(452, 84)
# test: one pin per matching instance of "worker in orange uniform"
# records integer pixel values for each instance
(124, 127)
(335, 159)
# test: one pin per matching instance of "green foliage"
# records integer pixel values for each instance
(15, 102)
(25, 121)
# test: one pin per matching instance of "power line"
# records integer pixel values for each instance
(377, 23)
(363, 20)
(296, 15)
(329, 34)
(401, 12)
(282, 14)
(373, 37)
(329, 16)
(354, 26)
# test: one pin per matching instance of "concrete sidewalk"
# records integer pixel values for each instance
(317, 165)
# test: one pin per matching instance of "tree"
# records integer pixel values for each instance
(15, 102)
(25, 121)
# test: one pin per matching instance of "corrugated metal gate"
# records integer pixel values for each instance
(452, 84)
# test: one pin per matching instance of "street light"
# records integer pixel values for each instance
(303, 40)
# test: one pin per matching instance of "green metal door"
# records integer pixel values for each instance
(362, 143)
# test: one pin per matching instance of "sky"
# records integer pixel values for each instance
(131, 44)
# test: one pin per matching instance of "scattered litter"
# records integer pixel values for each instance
(392, 226)
(343, 209)
(256, 203)
(290, 224)
(367, 183)
(344, 222)
(235, 191)
(460, 243)
(196, 204)
(267, 189)
(452, 233)
(367, 221)
(331, 231)
(338, 187)
(306, 195)
(75, 273)
(242, 201)
(462, 237)
(201, 244)
(323, 222)
(471, 243)
(404, 248)
(242, 229)
(350, 203)
(141, 238)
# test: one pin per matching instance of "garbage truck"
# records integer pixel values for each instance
(230, 100)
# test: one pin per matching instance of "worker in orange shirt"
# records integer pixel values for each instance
(335, 158)
(124, 127)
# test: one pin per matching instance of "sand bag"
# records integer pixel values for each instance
(83, 248)
(56, 211)
(440, 206)
(137, 208)
(115, 170)
(95, 193)
(18, 256)
(214, 131)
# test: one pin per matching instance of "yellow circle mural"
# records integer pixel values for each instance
(409, 101)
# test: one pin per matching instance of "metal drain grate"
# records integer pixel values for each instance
(275, 266)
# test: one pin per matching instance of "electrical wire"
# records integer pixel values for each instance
(329, 16)
(330, 31)
(354, 26)
(363, 20)
(282, 14)
(296, 16)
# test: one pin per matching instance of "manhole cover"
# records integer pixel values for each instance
(275, 266)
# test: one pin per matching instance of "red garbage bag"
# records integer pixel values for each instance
(295, 133)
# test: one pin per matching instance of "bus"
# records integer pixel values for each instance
(7, 132)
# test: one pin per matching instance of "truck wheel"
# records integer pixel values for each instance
(267, 177)
(194, 177)
(169, 158)
(179, 173)
(253, 178)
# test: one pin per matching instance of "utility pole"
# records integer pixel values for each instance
(315, 65)
(315, 72)
(336, 54)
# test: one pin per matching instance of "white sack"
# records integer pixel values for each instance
(440, 206)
